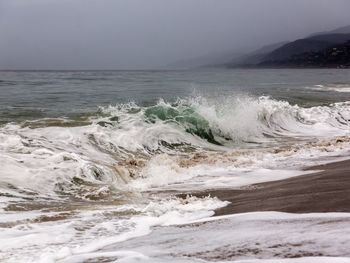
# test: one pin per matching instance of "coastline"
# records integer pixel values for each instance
(324, 191)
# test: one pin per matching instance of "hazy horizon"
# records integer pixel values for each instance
(117, 35)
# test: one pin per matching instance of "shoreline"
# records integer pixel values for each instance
(324, 191)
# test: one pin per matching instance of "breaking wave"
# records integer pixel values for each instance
(124, 146)
(343, 88)
(230, 120)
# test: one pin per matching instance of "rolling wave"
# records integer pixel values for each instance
(101, 157)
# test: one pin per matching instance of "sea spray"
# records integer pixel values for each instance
(126, 145)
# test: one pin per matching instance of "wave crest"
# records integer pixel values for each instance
(87, 161)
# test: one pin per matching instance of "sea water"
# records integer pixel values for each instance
(91, 163)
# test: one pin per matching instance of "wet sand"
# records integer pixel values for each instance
(325, 191)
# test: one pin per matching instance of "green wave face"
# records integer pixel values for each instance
(183, 116)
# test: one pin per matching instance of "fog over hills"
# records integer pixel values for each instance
(269, 53)
(133, 34)
(340, 30)
(315, 43)
(295, 52)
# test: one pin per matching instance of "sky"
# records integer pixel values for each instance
(146, 34)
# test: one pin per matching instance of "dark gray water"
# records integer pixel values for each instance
(38, 94)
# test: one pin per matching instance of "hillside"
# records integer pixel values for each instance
(296, 47)
(274, 54)
(337, 56)
(283, 52)
(311, 44)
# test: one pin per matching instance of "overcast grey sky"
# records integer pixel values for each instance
(125, 34)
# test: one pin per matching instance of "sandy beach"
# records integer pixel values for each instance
(324, 191)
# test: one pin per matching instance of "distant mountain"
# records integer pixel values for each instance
(332, 38)
(274, 54)
(310, 44)
(283, 53)
(335, 56)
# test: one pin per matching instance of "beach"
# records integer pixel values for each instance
(327, 190)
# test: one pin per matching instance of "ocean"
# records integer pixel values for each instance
(92, 162)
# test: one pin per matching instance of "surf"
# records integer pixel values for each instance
(127, 145)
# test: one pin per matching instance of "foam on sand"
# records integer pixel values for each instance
(260, 235)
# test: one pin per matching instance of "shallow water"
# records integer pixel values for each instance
(92, 159)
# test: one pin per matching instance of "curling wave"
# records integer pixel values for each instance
(102, 156)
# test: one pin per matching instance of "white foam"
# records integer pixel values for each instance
(265, 236)
(164, 173)
(250, 237)
(332, 87)
(82, 235)
(57, 156)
